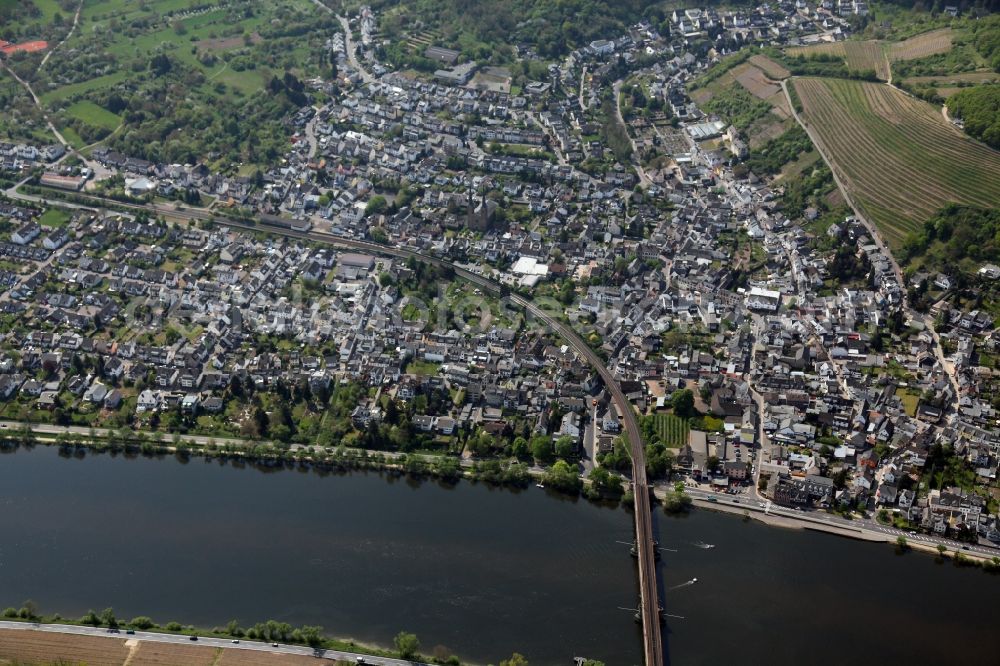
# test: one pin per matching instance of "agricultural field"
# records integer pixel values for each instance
(921, 46)
(153, 654)
(859, 55)
(770, 68)
(672, 430)
(28, 648)
(236, 657)
(897, 156)
(36, 647)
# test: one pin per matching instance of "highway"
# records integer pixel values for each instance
(182, 639)
(650, 603)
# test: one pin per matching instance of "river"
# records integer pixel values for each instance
(483, 572)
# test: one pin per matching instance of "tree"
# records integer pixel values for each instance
(541, 449)
(682, 401)
(90, 618)
(29, 610)
(108, 618)
(377, 204)
(516, 659)
(901, 544)
(565, 447)
(563, 477)
(606, 483)
(142, 623)
(676, 502)
(406, 644)
(313, 636)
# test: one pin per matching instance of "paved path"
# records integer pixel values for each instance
(76, 22)
(154, 637)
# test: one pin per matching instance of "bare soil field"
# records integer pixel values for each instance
(150, 653)
(235, 657)
(757, 82)
(769, 67)
(40, 647)
(226, 43)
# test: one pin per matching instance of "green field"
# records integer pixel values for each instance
(94, 115)
(899, 159)
(672, 430)
(54, 217)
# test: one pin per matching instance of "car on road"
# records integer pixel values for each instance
(192, 638)
(130, 632)
(235, 641)
(274, 645)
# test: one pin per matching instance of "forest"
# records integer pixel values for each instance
(979, 109)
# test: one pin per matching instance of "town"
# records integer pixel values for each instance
(773, 350)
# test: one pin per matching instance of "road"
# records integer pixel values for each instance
(650, 604)
(176, 639)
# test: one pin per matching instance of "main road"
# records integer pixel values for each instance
(649, 596)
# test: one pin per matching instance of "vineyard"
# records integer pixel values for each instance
(860, 56)
(898, 158)
(921, 46)
(672, 430)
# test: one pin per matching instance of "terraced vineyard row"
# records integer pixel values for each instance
(898, 158)
(866, 55)
(921, 46)
(672, 430)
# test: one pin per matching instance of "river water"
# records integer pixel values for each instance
(480, 571)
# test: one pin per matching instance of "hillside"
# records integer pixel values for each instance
(900, 159)
(486, 29)
(166, 80)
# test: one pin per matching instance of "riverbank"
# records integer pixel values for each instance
(512, 474)
(986, 562)
(76, 441)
